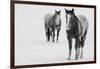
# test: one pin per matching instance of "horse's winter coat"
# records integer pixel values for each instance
(77, 29)
(52, 23)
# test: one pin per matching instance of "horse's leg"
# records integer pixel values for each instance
(48, 34)
(53, 31)
(78, 52)
(82, 45)
(81, 53)
(57, 34)
(46, 31)
(70, 47)
(77, 49)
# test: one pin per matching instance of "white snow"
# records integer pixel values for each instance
(46, 52)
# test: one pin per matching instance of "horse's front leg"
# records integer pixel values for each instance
(77, 48)
(70, 47)
(53, 38)
(57, 34)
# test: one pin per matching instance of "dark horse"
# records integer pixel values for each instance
(76, 28)
(52, 23)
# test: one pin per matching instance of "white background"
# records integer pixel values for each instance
(5, 33)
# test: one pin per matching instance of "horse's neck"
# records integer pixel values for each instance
(74, 18)
(56, 20)
(54, 17)
(74, 22)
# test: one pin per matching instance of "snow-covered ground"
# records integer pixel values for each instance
(46, 52)
(30, 42)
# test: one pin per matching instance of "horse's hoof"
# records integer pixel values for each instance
(57, 41)
(53, 41)
(47, 40)
(81, 57)
(68, 59)
(76, 58)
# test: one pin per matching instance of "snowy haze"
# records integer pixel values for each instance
(30, 41)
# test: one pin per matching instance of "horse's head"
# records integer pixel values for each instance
(57, 17)
(57, 12)
(69, 14)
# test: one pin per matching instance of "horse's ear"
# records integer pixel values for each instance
(66, 10)
(73, 10)
(59, 11)
(55, 11)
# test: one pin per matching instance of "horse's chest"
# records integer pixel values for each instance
(73, 32)
(57, 26)
(57, 21)
(54, 24)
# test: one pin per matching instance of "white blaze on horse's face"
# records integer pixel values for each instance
(57, 19)
(67, 20)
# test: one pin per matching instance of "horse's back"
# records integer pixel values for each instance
(47, 17)
(83, 25)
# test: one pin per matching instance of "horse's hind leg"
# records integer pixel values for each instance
(70, 47)
(46, 31)
(82, 43)
(77, 48)
(57, 34)
(48, 34)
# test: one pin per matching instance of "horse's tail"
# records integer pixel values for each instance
(83, 39)
(84, 36)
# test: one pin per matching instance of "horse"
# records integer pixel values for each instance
(77, 27)
(52, 23)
